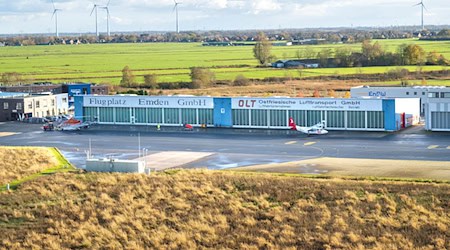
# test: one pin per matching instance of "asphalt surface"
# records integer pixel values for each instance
(232, 147)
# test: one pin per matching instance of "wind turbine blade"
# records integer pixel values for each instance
(108, 3)
(425, 7)
(95, 6)
(54, 12)
(417, 4)
(53, 3)
(174, 7)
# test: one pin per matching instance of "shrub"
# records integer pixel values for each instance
(241, 80)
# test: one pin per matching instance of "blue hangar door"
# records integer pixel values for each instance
(222, 112)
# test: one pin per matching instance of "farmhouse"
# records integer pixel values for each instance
(294, 64)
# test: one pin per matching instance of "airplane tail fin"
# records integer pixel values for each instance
(292, 124)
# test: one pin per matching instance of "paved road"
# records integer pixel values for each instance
(233, 147)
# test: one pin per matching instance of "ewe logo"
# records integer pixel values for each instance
(377, 93)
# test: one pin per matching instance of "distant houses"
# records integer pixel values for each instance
(294, 64)
(282, 43)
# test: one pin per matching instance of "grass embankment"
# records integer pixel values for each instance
(20, 164)
(171, 61)
(223, 210)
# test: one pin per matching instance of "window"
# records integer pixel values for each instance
(30, 105)
(37, 104)
(64, 100)
(415, 93)
(5, 105)
(407, 93)
(53, 102)
(18, 105)
(433, 95)
(423, 93)
(356, 119)
(335, 119)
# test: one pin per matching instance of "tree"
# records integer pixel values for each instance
(433, 58)
(309, 53)
(11, 78)
(414, 55)
(343, 57)
(316, 93)
(444, 33)
(201, 77)
(151, 81)
(262, 49)
(323, 57)
(128, 79)
(331, 93)
(372, 53)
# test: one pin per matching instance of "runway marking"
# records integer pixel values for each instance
(2, 134)
(433, 146)
(309, 143)
(290, 142)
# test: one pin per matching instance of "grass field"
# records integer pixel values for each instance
(222, 210)
(102, 63)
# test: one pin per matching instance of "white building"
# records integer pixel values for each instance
(115, 165)
(398, 92)
(435, 101)
(437, 111)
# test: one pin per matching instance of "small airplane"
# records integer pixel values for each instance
(317, 129)
(73, 124)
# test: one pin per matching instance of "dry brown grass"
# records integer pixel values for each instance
(294, 88)
(18, 162)
(223, 210)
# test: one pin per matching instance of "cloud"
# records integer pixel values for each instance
(128, 15)
(258, 6)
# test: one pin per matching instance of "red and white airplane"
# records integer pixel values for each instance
(317, 129)
(73, 124)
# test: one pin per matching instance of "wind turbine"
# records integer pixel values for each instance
(107, 16)
(55, 14)
(96, 19)
(175, 8)
(423, 7)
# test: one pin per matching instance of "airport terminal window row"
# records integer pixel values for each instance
(440, 120)
(333, 119)
(149, 115)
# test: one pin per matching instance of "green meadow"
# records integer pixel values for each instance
(102, 63)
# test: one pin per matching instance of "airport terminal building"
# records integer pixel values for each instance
(435, 101)
(245, 112)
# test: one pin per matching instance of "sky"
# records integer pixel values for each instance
(35, 16)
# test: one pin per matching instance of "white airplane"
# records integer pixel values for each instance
(317, 129)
